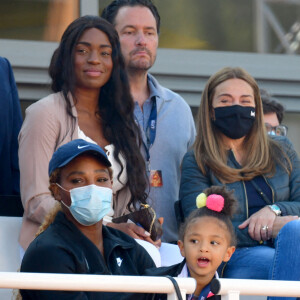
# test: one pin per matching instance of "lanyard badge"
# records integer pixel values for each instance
(155, 175)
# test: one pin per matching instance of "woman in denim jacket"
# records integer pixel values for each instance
(233, 149)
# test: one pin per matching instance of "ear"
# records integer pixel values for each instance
(55, 191)
(181, 247)
(230, 250)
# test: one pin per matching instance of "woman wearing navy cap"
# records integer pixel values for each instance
(73, 239)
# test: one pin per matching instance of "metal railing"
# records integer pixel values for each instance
(231, 289)
(96, 283)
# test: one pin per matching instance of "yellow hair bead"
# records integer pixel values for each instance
(201, 200)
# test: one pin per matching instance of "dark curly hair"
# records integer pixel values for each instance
(115, 103)
(109, 13)
(225, 215)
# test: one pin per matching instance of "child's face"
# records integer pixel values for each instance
(206, 244)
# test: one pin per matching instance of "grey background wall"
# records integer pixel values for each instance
(184, 71)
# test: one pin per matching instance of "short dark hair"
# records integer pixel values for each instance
(271, 105)
(110, 12)
(224, 216)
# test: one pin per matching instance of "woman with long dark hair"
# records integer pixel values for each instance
(91, 101)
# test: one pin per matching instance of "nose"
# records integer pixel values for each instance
(94, 58)
(235, 101)
(141, 39)
(203, 246)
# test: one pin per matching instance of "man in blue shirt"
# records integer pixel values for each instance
(165, 119)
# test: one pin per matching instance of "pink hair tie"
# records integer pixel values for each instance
(215, 202)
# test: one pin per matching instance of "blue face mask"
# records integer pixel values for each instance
(89, 204)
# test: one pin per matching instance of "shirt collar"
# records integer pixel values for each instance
(152, 89)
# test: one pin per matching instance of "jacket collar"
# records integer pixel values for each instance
(111, 237)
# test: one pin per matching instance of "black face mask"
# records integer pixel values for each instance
(234, 121)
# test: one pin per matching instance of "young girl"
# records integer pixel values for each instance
(207, 239)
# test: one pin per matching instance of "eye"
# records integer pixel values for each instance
(193, 241)
(149, 33)
(105, 53)
(246, 101)
(224, 100)
(214, 243)
(102, 179)
(128, 32)
(81, 51)
(76, 180)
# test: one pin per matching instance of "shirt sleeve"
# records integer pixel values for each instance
(193, 182)
(37, 142)
(291, 206)
(16, 123)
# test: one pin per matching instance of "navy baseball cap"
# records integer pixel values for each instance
(67, 152)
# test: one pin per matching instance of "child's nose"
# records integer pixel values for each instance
(203, 247)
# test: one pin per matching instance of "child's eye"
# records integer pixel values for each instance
(214, 243)
(194, 241)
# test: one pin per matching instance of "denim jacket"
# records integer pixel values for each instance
(285, 188)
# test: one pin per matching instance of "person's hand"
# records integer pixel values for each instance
(280, 222)
(131, 229)
(137, 232)
(260, 225)
(156, 243)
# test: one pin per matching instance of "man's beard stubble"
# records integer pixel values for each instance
(141, 65)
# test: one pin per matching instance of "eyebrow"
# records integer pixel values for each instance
(89, 44)
(229, 95)
(133, 27)
(194, 234)
(82, 173)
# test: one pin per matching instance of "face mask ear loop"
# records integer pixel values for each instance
(62, 187)
(64, 204)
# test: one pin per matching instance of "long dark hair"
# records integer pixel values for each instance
(115, 102)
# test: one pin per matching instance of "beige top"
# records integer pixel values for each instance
(46, 127)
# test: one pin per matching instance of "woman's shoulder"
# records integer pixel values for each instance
(44, 250)
(47, 104)
(189, 160)
(52, 246)
(190, 156)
